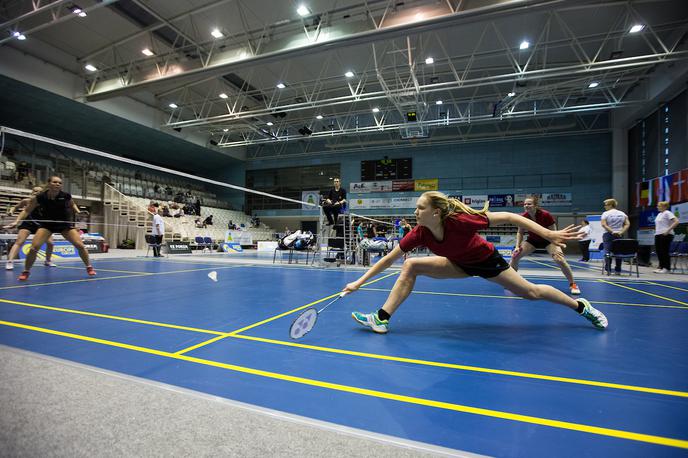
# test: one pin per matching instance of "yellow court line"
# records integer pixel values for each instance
(621, 434)
(64, 282)
(644, 292)
(246, 328)
(486, 370)
(489, 296)
(111, 317)
(666, 286)
(356, 353)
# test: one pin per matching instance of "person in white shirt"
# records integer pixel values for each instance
(665, 222)
(584, 243)
(615, 223)
(158, 232)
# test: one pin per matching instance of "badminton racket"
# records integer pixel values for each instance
(303, 323)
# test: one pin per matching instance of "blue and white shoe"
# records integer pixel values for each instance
(372, 321)
(593, 315)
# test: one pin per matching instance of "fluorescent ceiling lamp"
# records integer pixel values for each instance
(636, 28)
(225, 130)
(173, 105)
(349, 74)
(269, 123)
(524, 44)
(318, 117)
(19, 36)
(90, 68)
(303, 10)
(593, 84)
(216, 33)
(147, 52)
(376, 109)
(281, 85)
(439, 102)
(429, 61)
(223, 96)
(511, 94)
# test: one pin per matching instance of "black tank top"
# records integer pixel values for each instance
(57, 209)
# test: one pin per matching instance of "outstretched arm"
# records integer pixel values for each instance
(557, 237)
(24, 213)
(379, 267)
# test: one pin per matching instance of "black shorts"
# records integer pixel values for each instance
(489, 268)
(539, 244)
(57, 228)
(29, 225)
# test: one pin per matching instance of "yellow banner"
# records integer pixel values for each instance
(431, 184)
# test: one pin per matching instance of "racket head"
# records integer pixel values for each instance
(303, 323)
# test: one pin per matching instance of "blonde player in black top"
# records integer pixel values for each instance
(57, 210)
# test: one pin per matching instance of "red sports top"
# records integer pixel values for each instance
(461, 243)
(543, 218)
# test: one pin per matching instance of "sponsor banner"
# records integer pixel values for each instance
(63, 249)
(681, 212)
(93, 247)
(555, 198)
(371, 186)
(475, 201)
(383, 203)
(430, 184)
(240, 237)
(178, 247)
(547, 198)
(501, 200)
(646, 237)
(647, 219)
(403, 185)
(312, 197)
(231, 248)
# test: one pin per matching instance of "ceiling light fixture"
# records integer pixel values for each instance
(225, 130)
(303, 11)
(216, 33)
(593, 84)
(19, 36)
(429, 61)
(90, 68)
(376, 110)
(318, 117)
(78, 11)
(147, 52)
(281, 85)
(349, 74)
(525, 44)
(439, 102)
(269, 123)
(173, 105)
(223, 96)
(636, 28)
(511, 94)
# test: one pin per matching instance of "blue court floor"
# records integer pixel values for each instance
(465, 366)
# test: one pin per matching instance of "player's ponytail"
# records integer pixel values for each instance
(450, 206)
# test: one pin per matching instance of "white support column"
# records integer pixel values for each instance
(620, 168)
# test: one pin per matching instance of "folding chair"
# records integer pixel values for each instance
(679, 254)
(152, 243)
(209, 243)
(624, 249)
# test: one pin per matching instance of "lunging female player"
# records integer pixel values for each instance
(449, 229)
(56, 207)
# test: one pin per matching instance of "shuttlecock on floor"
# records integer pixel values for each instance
(213, 275)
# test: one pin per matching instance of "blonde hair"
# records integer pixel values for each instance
(611, 202)
(450, 206)
(663, 203)
(535, 199)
